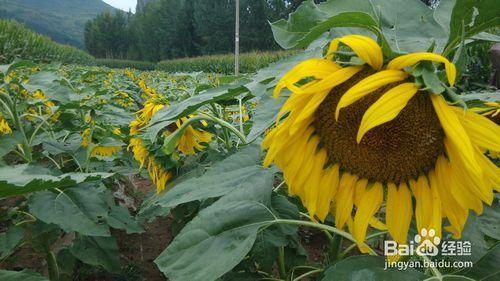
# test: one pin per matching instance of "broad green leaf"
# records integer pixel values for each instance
(482, 95)
(9, 241)
(176, 110)
(450, 278)
(485, 267)
(7, 68)
(368, 268)
(49, 83)
(24, 178)
(220, 236)
(296, 39)
(9, 142)
(472, 17)
(120, 218)
(237, 170)
(75, 209)
(96, 251)
(265, 115)
(401, 25)
(25, 275)
(489, 221)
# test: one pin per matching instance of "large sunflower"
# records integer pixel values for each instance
(348, 135)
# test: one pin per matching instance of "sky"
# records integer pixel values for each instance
(123, 4)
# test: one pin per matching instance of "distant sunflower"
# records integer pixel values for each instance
(191, 140)
(105, 151)
(347, 135)
(4, 126)
(188, 143)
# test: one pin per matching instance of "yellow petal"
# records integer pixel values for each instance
(456, 214)
(368, 85)
(398, 211)
(334, 79)
(317, 68)
(435, 205)
(327, 191)
(386, 108)
(315, 180)
(369, 205)
(482, 131)
(456, 133)
(366, 48)
(411, 59)
(344, 199)
(474, 182)
(423, 198)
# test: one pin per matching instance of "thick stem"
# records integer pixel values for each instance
(322, 227)
(281, 262)
(52, 266)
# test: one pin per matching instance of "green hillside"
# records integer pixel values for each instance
(61, 20)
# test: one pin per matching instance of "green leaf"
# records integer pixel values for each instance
(7, 68)
(237, 170)
(449, 278)
(24, 178)
(9, 142)
(296, 39)
(25, 275)
(120, 218)
(482, 95)
(171, 113)
(486, 267)
(431, 81)
(368, 268)
(473, 17)
(96, 251)
(49, 83)
(265, 115)
(9, 241)
(401, 25)
(75, 209)
(229, 226)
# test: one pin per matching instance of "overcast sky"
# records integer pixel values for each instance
(123, 4)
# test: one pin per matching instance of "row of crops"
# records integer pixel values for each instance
(302, 171)
(16, 40)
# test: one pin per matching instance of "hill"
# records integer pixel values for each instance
(61, 20)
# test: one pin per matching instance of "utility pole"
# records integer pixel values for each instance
(237, 40)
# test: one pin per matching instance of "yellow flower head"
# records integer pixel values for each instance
(191, 139)
(86, 137)
(39, 95)
(117, 131)
(355, 135)
(139, 150)
(4, 126)
(105, 151)
(158, 174)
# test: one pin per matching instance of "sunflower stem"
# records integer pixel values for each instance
(434, 269)
(281, 262)
(335, 246)
(224, 124)
(323, 227)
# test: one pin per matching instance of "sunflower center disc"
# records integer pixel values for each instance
(404, 148)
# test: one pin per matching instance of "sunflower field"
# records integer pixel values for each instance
(358, 157)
